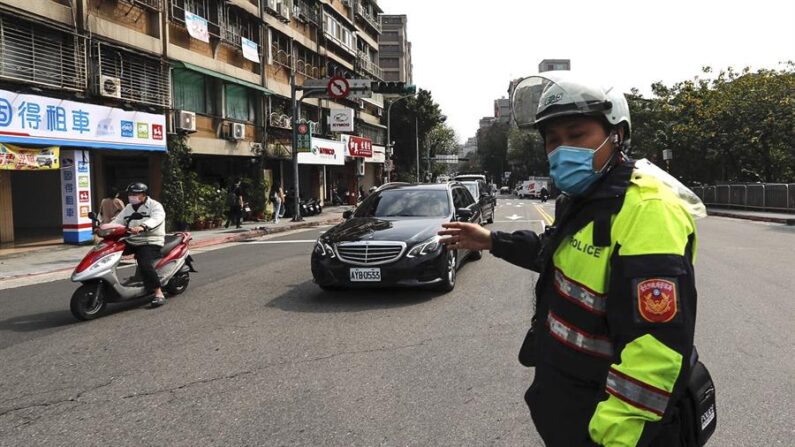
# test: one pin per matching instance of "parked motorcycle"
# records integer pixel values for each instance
(101, 284)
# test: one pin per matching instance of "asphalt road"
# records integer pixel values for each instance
(255, 354)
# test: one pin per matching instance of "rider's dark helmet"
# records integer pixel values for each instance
(137, 188)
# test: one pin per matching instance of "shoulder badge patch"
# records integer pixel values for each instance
(657, 299)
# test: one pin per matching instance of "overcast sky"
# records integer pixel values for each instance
(465, 52)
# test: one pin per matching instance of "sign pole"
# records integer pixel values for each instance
(296, 203)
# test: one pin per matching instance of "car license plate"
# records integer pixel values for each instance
(366, 275)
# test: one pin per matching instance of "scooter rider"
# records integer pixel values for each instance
(148, 235)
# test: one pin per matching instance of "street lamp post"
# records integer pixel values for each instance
(417, 145)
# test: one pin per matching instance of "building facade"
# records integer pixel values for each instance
(395, 55)
(102, 85)
(554, 64)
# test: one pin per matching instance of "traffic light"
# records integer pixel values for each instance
(393, 88)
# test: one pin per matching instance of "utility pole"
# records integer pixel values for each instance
(417, 145)
(296, 205)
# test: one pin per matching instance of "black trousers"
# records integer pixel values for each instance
(235, 214)
(145, 255)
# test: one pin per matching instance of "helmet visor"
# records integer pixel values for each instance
(543, 97)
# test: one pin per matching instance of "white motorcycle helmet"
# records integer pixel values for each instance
(540, 98)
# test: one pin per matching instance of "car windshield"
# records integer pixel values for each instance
(472, 187)
(406, 203)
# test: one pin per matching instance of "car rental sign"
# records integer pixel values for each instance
(41, 120)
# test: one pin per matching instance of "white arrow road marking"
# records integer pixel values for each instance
(514, 217)
(519, 205)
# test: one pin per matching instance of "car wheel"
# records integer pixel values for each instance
(491, 216)
(448, 282)
(475, 255)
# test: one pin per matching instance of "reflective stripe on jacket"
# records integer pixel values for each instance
(615, 312)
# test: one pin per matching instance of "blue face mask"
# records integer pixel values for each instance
(572, 168)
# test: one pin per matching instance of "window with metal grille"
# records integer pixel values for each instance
(143, 79)
(206, 9)
(308, 63)
(280, 53)
(235, 24)
(41, 55)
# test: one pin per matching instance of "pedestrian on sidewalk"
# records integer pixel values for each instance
(277, 196)
(234, 201)
(612, 335)
(110, 207)
(148, 235)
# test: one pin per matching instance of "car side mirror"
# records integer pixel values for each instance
(347, 214)
(463, 213)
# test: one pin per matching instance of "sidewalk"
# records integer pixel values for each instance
(65, 257)
(782, 218)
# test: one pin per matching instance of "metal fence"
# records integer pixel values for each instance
(752, 196)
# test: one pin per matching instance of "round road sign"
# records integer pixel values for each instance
(303, 129)
(338, 87)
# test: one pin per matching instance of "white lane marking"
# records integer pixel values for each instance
(299, 241)
(514, 217)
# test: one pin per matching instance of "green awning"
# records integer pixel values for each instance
(226, 78)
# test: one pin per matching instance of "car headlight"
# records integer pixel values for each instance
(323, 249)
(424, 247)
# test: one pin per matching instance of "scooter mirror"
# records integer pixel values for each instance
(92, 216)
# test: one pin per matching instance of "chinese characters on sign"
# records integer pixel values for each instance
(360, 147)
(23, 159)
(40, 120)
(76, 196)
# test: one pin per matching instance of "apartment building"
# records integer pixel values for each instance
(395, 54)
(93, 89)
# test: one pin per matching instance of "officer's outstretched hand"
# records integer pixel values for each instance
(467, 236)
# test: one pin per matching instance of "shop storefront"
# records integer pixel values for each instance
(60, 157)
(317, 169)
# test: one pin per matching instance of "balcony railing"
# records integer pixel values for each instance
(368, 17)
(369, 66)
(41, 55)
(308, 69)
(152, 5)
(305, 11)
(281, 57)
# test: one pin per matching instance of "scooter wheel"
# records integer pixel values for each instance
(178, 283)
(81, 304)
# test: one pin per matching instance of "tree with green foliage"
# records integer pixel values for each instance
(428, 115)
(178, 184)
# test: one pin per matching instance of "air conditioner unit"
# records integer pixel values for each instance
(235, 131)
(271, 4)
(256, 147)
(298, 15)
(283, 10)
(109, 86)
(361, 105)
(379, 112)
(185, 121)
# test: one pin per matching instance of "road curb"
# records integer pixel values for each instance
(262, 231)
(781, 220)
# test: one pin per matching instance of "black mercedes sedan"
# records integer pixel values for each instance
(390, 239)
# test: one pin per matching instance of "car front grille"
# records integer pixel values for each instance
(370, 253)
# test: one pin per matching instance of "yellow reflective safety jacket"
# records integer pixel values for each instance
(615, 312)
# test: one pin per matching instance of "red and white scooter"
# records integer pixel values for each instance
(100, 281)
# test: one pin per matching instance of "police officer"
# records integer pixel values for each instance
(612, 335)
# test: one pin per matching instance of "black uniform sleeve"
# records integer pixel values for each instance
(651, 313)
(519, 248)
